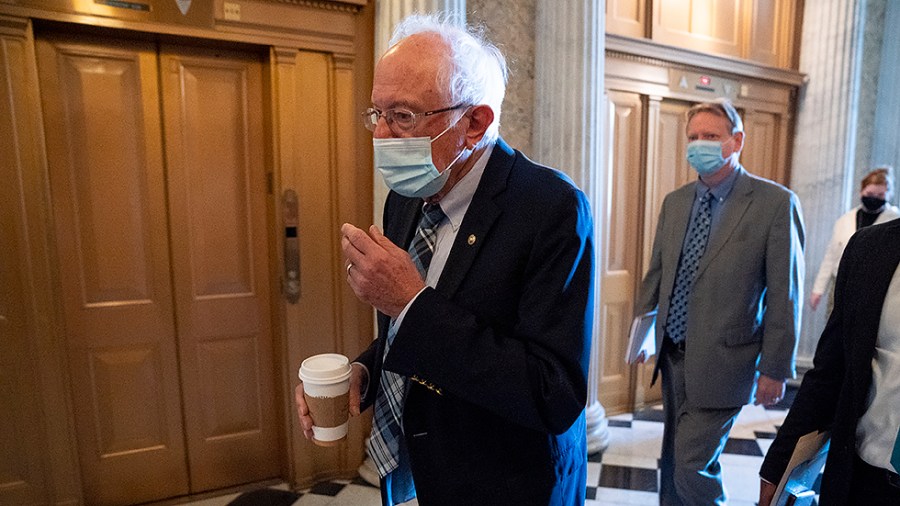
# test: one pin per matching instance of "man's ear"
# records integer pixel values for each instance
(739, 141)
(480, 118)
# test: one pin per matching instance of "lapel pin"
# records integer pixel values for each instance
(472, 239)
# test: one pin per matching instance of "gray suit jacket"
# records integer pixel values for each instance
(745, 306)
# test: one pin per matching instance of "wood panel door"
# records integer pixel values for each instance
(714, 26)
(626, 17)
(667, 169)
(620, 265)
(212, 105)
(162, 266)
(763, 141)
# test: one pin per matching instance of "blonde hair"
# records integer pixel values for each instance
(722, 108)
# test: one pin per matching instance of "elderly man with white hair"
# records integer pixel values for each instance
(482, 279)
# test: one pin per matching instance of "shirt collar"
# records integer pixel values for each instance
(720, 191)
(457, 200)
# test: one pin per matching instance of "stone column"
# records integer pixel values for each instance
(885, 148)
(569, 132)
(387, 14)
(822, 170)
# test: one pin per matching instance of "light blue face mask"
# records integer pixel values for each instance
(705, 156)
(406, 165)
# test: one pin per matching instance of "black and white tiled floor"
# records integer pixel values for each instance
(626, 473)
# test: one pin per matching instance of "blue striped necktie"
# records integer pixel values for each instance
(698, 236)
(384, 444)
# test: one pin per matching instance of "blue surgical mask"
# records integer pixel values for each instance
(406, 165)
(705, 156)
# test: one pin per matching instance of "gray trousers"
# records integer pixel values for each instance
(693, 439)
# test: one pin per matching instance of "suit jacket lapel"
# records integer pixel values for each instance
(480, 217)
(400, 230)
(403, 217)
(735, 208)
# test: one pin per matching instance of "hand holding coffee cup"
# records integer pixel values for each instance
(327, 394)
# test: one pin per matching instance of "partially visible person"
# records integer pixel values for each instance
(853, 389)
(875, 192)
(483, 282)
(726, 274)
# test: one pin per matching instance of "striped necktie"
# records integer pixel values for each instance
(384, 444)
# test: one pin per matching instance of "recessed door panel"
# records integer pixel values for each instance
(160, 224)
(217, 194)
(761, 140)
(107, 181)
(705, 25)
(619, 269)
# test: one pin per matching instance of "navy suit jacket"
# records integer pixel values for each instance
(833, 394)
(498, 351)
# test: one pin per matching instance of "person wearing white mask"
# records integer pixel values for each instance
(875, 192)
(726, 277)
(482, 279)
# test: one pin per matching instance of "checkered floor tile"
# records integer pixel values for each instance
(627, 472)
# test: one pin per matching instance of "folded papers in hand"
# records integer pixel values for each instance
(796, 486)
(642, 337)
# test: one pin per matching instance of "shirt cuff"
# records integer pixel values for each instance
(399, 319)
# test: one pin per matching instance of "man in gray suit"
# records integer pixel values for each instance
(726, 275)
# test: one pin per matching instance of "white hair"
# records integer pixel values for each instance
(478, 70)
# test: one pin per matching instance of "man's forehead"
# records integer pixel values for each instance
(408, 73)
(707, 121)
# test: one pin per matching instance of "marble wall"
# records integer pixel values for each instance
(885, 148)
(873, 40)
(510, 24)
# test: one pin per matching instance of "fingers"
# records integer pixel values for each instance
(766, 493)
(302, 408)
(814, 300)
(766, 399)
(771, 401)
(362, 250)
(380, 238)
(306, 421)
(357, 379)
(769, 391)
(356, 243)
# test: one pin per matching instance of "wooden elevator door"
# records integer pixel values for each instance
(157, 175)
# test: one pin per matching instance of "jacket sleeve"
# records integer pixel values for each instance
(784, 291)
(648, 295)
(816, 402)
(831, 259)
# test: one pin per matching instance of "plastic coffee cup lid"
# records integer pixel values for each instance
(325, 368)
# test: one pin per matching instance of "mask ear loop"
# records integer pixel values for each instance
(451, 125)
(450, 165)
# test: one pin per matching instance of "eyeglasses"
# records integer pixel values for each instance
(399, 120)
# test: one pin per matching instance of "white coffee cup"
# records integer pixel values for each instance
(326, 388)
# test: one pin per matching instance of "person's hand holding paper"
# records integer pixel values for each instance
(642, 338)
